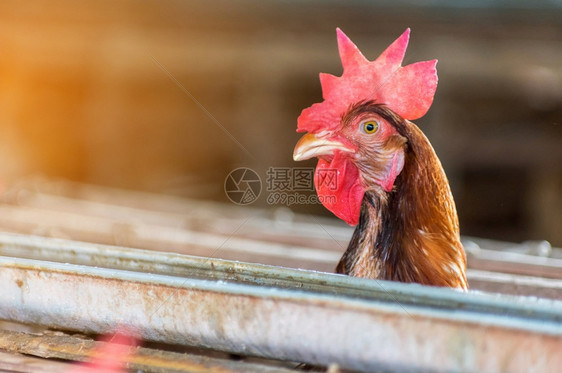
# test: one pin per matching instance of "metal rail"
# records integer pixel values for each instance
(274, 312)
(157, 230)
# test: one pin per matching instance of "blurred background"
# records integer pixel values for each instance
(87, 94)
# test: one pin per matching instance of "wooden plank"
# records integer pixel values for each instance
(71, 348)
(17, 363)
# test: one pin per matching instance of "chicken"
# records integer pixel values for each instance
(378, 171)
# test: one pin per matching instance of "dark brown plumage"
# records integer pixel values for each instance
(388, 179)
(412, 233)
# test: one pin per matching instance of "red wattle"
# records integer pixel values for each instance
(339, 187)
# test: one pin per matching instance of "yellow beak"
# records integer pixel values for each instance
(310, 146)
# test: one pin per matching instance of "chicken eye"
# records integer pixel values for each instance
(370, 127)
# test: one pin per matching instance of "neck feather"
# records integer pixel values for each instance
(412, 233)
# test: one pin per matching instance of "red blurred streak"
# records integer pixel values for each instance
(111, 356)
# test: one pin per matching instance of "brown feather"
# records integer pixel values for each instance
(412, 233)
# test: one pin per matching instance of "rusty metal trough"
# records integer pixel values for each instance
(274, 312)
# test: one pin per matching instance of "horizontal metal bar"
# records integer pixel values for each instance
(103, 229)
(273, 312)
(96, 229)
(173, 237)
(151, 209)
(516, 263)
(146, 261)
(505, 283)
(164, 210)
(79, 349)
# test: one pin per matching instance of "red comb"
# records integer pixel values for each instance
(407, 90)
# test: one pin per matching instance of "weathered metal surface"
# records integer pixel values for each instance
(65, 347)
(156, 209)
(209, 268)
(497, 282)
(163, 210)
(111, 231)
(15, 363)
(139, 233)
(516, 263)
(152, 209)
(276, 313)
